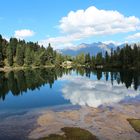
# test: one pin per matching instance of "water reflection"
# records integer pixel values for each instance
(21, 81)
(84, 91)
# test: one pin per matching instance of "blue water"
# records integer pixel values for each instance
(42, 97)
(75, 89)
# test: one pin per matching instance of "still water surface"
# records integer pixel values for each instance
(51, 87)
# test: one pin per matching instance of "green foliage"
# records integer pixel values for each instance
(1, 55)
(80, 59)
(50, 54)
(20, 55)
(93, 61)
(106, 57)
(1, 60)
(126, 57)
(87, 59)
(13, 43)
(99, 59)
(9, 55)
(37, 61)
(58, 59)
(28, 56)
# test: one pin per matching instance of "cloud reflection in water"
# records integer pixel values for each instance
(83, 91)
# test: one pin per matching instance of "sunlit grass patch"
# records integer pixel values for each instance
(72, 133)
(135, 123)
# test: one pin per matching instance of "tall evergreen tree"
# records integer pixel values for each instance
(13, 43)
(106, 57)
(99, 59)
(87, 58)
(1, 55)
(28, 56)
(50, 54)
(9, 55)
(19, 55)
(121, 57)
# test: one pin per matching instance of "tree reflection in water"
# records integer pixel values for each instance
(20, 81)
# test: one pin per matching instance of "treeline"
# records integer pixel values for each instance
(126, 57)
(20, 53)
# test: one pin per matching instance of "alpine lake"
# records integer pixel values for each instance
(26, 95)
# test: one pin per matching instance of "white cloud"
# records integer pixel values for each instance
(83, 91)
(134, 36)
(117, 43)
(92, 22)
(24, 33)
(59, 42)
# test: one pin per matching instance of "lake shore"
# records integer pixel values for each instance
(107, 123)
(8, 69)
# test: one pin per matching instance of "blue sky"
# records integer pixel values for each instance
(41, 20)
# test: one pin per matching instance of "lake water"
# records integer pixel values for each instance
(51, 87)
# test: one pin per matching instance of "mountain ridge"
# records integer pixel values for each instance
(92, 48)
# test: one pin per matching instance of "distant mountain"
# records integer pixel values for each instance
(93, 48)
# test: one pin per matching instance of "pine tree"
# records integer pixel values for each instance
(50, 54)
(87, 58)
(1, 55)
(99, 59)
(58, 59)
(9, 55)
(19, 55)
(93, 61)
(13, 43)
(135, 55)
(28, 56)
(37, 61)
(121, 57)
(106, 57)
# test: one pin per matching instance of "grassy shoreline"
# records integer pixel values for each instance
(7, 69)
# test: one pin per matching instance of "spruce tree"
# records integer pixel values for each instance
(9, 55)
(1, 55)
(19, 55)
(28, 56)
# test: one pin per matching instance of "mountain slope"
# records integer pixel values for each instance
(93, 48)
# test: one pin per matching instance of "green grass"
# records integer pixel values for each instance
(135, 123)
(72, 133)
